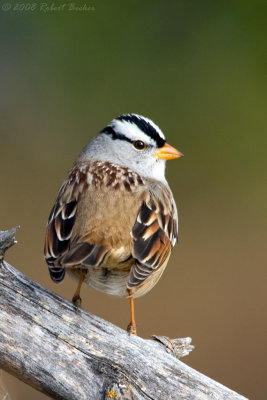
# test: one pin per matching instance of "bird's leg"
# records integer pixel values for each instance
(76, 299)
(131, 328)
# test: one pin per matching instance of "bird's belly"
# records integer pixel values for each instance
(109, 281)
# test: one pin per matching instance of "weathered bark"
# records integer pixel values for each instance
(70, 354)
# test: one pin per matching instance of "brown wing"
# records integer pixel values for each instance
(59, 227)
(58, 234)
(154, 233)
(59, 230)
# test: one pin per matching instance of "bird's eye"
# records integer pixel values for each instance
(139, 145)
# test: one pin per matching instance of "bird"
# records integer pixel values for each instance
(114, 221)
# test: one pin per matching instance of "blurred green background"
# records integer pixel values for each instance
(196, 68)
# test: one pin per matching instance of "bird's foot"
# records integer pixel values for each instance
(77, 301)
(131, 328)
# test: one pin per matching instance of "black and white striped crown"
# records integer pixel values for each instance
(132, 126)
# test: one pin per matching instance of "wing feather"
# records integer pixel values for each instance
(62, 247)
(154, 234)
(60, 223)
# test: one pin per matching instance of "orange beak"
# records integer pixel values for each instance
(167, 152)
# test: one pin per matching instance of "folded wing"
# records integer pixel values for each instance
(154, 234)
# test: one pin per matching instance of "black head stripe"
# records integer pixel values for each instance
(144, 126)
(115, 135)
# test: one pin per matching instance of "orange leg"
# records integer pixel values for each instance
(131, 328)
(76, 299)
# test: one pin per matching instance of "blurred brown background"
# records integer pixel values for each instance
(198, 69)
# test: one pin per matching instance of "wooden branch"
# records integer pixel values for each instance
(7, 239)
(70, 354)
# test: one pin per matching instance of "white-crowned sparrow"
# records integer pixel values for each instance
(114, 221)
